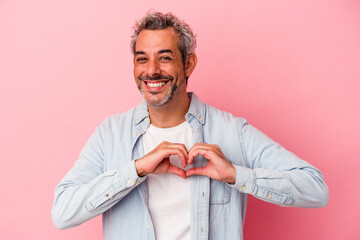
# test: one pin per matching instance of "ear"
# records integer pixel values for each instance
(190, 64)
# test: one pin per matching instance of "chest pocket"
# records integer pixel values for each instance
(219, 192)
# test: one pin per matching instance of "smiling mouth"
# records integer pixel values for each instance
(156, 84)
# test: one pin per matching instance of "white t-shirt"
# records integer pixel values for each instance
(169, 195)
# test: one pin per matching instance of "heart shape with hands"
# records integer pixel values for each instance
(158, 161)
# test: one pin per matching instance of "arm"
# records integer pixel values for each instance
(87, 191)
(273, 174)
(277, 175)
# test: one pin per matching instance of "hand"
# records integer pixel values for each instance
(157, 161)
(217, 167)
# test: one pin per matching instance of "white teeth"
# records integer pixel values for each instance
(159, 84)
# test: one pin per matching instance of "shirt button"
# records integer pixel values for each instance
(111, 197)
(106, 195)
(243, 187)
(201, 119)
(203, 194)
(269, 195)
(135, 133)
(148, 226)
(130, 181)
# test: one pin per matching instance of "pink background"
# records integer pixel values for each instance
(292, 68)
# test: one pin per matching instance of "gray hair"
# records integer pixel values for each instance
(157, 20)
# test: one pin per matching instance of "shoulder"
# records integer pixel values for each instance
(215, 116)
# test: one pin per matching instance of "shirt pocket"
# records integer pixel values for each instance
(219, 192)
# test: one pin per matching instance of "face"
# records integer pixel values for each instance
(158, 69)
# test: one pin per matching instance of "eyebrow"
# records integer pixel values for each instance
(139, 52)
(161, 51)
(166, 51)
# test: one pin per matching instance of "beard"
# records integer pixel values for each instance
(158, 102)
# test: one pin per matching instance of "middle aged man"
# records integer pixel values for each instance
(174, 167)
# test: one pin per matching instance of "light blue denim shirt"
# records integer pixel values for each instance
(104, 179)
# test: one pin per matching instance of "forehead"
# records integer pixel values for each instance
(148, 40)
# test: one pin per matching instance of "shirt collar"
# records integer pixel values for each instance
(196, 109)
(141, 112)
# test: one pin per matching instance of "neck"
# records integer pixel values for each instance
(171, 114)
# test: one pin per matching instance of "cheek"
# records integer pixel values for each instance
(171, 70)
(136, 68)
(137, 71)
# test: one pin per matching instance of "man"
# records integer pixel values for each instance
(174, 167)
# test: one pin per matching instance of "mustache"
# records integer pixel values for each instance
(157, 77)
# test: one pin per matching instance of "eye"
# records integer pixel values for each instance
(165, 58)
(141, 59)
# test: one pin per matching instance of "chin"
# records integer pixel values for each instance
(157, 103)
(155, 100)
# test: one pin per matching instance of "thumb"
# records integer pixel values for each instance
(196, 171)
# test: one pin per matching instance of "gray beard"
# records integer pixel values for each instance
(168, 97)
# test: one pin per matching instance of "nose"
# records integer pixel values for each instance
(152, 68)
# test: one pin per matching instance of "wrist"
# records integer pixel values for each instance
(232, 177)
(139, 169)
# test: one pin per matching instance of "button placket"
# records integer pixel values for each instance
(130, 181)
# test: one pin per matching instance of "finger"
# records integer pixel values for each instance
(208, 154)
(181, 146)
(196, 171)
(191, 155)
(192, 152)
(175, 151)
(184, 155)
(200, 145)
(177, 171)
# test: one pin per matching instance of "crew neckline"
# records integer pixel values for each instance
(177, 128)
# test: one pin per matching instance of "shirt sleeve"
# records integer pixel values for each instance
(86, 190)
(276, 175)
